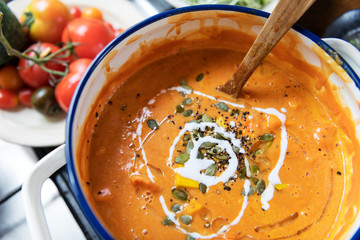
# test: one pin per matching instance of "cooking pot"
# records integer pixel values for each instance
(115, 55)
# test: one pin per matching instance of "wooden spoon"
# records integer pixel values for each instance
(284, 16)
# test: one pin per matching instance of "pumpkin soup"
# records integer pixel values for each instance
(167, 156)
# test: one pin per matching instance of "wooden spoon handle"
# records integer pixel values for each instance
(284, 16)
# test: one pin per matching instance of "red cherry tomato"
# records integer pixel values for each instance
(10, 78)
(66, 88)
(25, 96)
(31, 73)
(93, 35)
(75, 12)
(8, 99)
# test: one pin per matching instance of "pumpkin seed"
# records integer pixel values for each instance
(182, 93)
(199, 77)
(188, 87)
(250, 193)
(182, 158)
(179, 194)
(186, 137)
(211, 170)
(183, 82)
(222, 106)
(260, 186)
(255, 169)
(214, 150)
(200, 155)
(242, 173)
(221, 136)
(202, 188)
(222, 157)
(187, 101)
(179, 109)
(188, 237)
(189, 147)
(236, 149)
(235, 112)
(254, 180)
(176, 207)
(207, 145)
(152, 124)
(167, 222)
(206, 118)
(188, 113)
(186, 219)
(267, 137)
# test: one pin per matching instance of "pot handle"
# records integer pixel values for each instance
(350, 53)
(31, 191)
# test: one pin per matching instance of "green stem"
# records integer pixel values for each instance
(39, 61)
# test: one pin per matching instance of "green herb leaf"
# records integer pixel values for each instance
(182, 158)
(176, 207)
(188, 113)
(260, 186)
(152, 124)
(188, 237)
(167, 222)
(199, 77)
(202, 188)
(179, 109)
(222, 106)
(211, 170)
(179, 194)
(267, 137)
(186, 219)
(187, 101)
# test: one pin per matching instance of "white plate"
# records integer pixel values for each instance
(27, 127)
(181, 3)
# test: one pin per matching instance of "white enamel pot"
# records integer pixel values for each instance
(94, 78)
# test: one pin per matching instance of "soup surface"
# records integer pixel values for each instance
(167, 156)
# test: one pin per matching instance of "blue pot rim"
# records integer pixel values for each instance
(71, 168)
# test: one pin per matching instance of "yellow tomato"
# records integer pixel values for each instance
(10, 78)
(45, 20)
(92, 12)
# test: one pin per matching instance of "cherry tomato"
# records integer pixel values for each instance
(93, 35)
(24, 96)
(43, 100)
(92, 12)
(66, 88)
(10, 78)
(45, 20)
(8, 99)
(31, 73)
(75, 12)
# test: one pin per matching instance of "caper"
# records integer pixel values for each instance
(179, 194)
(186, 219)
(43, 101)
